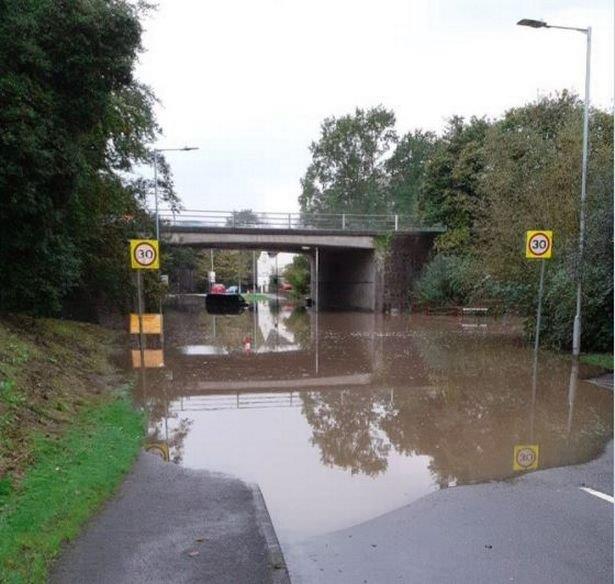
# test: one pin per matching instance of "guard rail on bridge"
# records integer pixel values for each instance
(299, 221)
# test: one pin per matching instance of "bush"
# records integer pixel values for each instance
(445, 281)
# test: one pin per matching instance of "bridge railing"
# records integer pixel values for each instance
(317, 221)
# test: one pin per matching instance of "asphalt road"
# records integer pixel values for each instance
(540, 528)
(173, 525)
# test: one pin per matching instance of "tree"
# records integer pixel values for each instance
(74, 123)
(243, 218)
(231, 266)
(347, 173)
(533, 160)
(406, 171)
(449, 194)
(297, 274)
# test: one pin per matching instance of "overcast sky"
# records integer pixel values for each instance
(249, 81)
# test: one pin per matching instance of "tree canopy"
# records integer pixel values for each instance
(74, 123)
(487, 182)
(347, 173)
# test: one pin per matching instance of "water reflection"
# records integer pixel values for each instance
(370, 410)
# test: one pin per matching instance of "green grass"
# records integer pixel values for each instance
(604, 360)
(70, 479)
(250, 297)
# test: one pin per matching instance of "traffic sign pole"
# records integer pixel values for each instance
(541, 287)
(140, 312)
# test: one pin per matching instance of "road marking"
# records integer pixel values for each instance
(598, 494)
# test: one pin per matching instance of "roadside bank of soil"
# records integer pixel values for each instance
(68, 435)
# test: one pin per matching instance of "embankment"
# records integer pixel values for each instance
(68, 435)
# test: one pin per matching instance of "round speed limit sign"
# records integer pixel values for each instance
(144, 254)
(525, 457)
(538, 245)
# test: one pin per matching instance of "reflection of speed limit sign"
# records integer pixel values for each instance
(144, 254)
(525, 457)
(538, 244)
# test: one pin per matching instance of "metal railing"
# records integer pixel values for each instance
(204, 403)
(306, 221)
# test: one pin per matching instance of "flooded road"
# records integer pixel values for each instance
(342, 417)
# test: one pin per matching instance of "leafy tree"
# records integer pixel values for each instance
(406, 170)
(347, 173)
(232, 266)
(533, 157)
(449, 194)
(243, 218)
(297, 274)
(74, 122)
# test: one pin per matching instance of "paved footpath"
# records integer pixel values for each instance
(539, 529)
(173, 525)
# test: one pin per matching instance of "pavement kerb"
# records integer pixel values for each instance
(279, 570)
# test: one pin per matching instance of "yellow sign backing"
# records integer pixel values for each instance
(151, 358)
(144, 254)
(538, 245)
(152, 324)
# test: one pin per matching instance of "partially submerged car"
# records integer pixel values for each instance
(225, 303)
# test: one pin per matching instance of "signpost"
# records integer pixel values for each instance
(539, 246)
(144, 255)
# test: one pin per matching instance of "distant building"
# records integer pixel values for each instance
(266, 265)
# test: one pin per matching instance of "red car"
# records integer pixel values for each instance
(217, 289)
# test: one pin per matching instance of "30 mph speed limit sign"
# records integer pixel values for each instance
(538, 245)
(525, 457)
(144, 254)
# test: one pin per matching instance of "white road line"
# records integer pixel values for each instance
(598, 494)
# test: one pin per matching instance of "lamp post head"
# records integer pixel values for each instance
(186, 148)
(533, 23)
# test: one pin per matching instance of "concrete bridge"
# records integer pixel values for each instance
(364, 262)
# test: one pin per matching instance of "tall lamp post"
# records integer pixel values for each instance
(576, 331)
(156, 151)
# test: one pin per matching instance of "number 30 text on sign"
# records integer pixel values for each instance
(538, 245)
(144, 254)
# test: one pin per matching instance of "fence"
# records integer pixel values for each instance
(300, 221)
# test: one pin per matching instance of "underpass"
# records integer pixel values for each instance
(360, 262)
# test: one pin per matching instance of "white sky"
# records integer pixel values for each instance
(249, 81)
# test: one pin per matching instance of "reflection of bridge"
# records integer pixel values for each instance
(346, 270)
(236, 401)
(302, 383)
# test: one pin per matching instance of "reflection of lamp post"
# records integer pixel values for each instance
(156, 151)
(572, 392)
(576, 331)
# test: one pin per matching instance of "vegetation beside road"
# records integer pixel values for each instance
(487, 181)
(75, 126)
(604, 360)
(67, 437)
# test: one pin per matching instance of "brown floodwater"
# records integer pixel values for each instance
(341, 417)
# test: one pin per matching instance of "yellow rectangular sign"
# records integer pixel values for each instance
(144, 254)
(538, 244)
(152, 324)
(525, 457)
(151, 358)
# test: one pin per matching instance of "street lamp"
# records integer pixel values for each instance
(156, 151)
(576, 330)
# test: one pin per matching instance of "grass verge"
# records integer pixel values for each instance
(604, 360)
(66, 438)
(72, 476)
